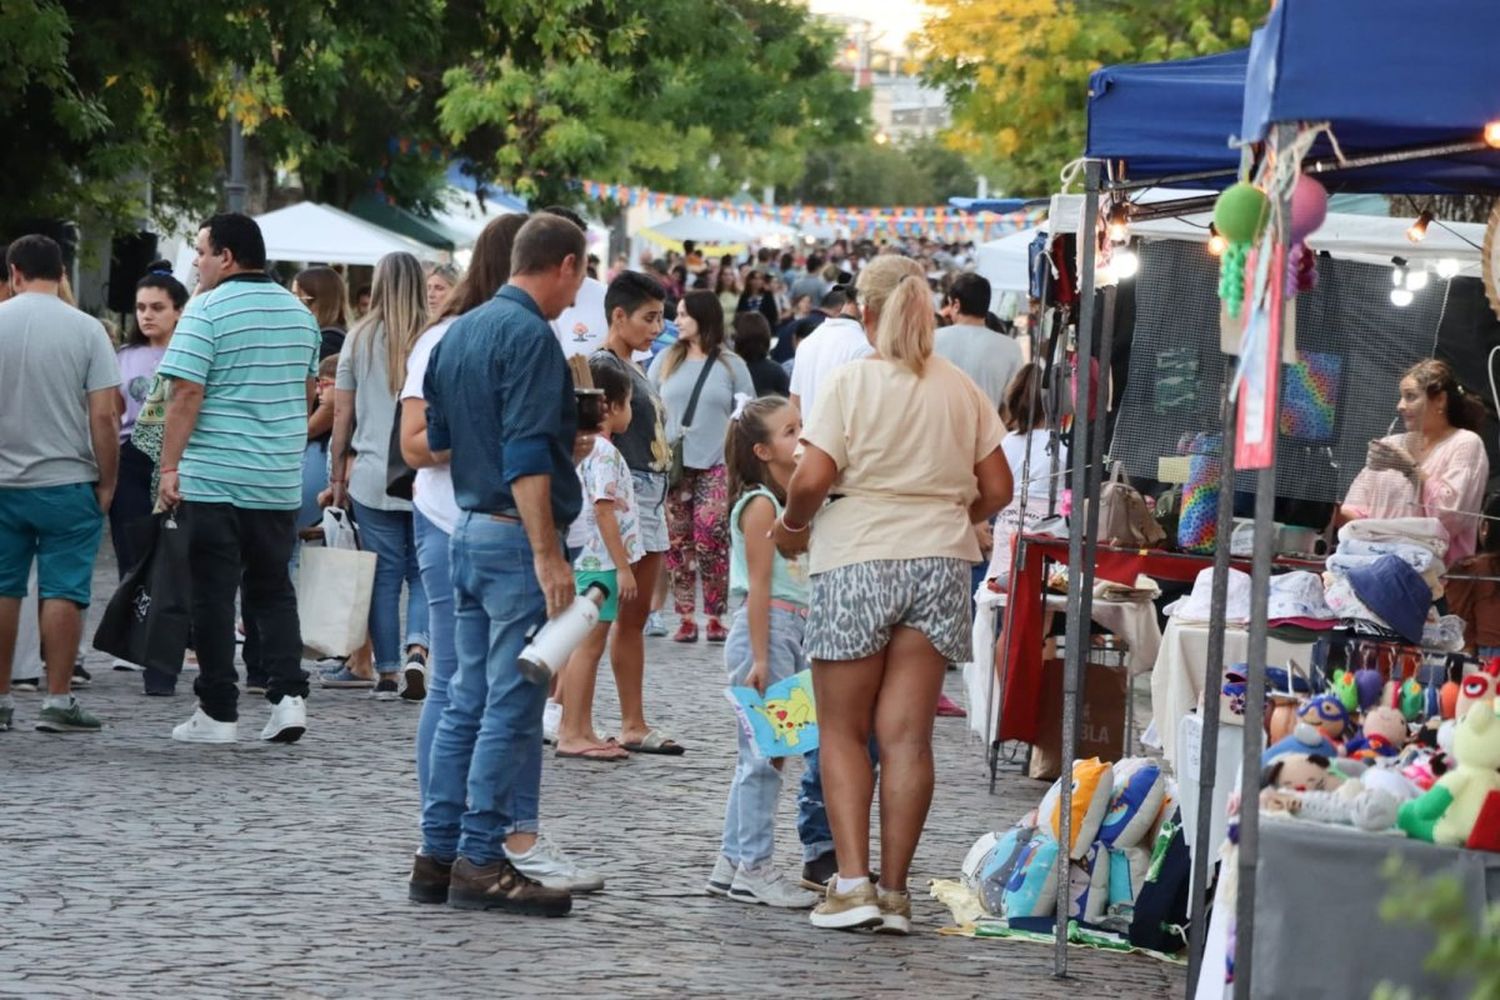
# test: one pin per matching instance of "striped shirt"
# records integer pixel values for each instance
(252, 346)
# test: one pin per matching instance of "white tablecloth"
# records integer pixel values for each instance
(1177, 679)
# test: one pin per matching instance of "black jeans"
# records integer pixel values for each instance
(234, 549)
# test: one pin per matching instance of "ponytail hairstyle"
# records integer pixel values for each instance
(874, 288)
(398, 308)
(158, 275)
(748, 428)
(1465, 409)
(906, 328)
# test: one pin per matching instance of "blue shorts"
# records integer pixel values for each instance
(59, 527)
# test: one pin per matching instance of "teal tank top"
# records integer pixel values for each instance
(789, 580)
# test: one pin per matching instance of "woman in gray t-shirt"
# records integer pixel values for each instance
(372, 367)
(697, 507)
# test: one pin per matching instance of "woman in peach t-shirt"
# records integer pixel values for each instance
(1438, 468)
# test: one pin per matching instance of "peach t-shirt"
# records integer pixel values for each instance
(905, 448)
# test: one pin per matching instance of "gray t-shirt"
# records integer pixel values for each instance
(362, 370)
(51, 357)
(703, 446)
(991, 359)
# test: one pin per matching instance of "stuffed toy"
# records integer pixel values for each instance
(1139, 788)
(1328, 713)
(1476, 689)
(1306, 786)
(1382, 735)
(1093, 783)
(1032, 890)
(1305, 739)
(1344, 688)
(1449, 812)
(993, 873)
(1088, 885)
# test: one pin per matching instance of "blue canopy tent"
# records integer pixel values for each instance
(1391, 78)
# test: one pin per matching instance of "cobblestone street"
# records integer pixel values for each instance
(139, 867)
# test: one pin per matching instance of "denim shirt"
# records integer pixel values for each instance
(500, 396)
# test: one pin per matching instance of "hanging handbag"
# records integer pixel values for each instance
(1124, 518)
(679, 469)
(148, 620)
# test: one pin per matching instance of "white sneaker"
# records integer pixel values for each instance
(765, 885)
(203, 728)
(546, 863)
(721, 878)
(551, 721)
(288, 721)
(125, 665)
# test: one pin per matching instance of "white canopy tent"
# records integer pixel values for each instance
(700, 229)
(310, 232)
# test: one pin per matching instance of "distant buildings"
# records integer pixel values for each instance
(902, 106)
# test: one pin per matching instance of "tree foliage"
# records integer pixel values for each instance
(1017, 71)
(919, 172)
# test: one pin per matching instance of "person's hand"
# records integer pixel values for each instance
(985, 535)
(1384, 457)
(104, 497)
(171, 489)
(760, 676)
(555, 577)
(789, 543)
(625, 582)
(583, 443)
(338, 495)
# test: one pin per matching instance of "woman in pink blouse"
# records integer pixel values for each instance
(1437, 468)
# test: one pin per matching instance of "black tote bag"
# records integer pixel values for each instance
(148, 621)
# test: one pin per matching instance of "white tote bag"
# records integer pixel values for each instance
(333, 590)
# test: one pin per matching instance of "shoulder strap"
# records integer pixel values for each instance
(692, 408)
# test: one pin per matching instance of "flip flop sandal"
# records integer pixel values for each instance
(657, 742)
(604, 753)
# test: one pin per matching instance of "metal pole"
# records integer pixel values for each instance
(1077, 625)
(235, 189)
(1260, 574)
(1208, 757)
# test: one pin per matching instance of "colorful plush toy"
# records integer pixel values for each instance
(1093, 783)
(1305, 739)
(1329, 714)
(1449, 812)
(1032, 889)
(1383, 734)
(1346, 690)
(1240, 215)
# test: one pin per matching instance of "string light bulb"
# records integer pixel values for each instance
(1417, 231)
(1401, 297)
(1492, 134)
(1416, 280)
(1447, 268)
(1125, 264)
(1217, 244)
(1119, 220)
(1398, 275)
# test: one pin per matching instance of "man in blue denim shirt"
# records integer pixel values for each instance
(500, 400)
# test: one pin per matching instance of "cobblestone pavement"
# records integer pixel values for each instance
(139, 867)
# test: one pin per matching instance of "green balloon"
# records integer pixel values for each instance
(1240, 213)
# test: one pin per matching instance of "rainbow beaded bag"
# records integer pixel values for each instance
(1198, 517)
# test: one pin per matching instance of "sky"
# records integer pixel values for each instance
(897, 18)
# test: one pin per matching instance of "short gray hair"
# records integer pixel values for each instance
(544, 243)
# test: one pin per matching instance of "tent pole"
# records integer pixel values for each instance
(1265, 546)
(1077, 625)
(1208, 756)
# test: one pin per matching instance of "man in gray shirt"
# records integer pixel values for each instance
(59, 451)
(991, 359)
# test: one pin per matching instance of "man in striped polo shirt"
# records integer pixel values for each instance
(243, 365)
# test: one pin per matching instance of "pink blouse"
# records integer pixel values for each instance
(1454, 476)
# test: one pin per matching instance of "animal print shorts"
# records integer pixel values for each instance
(855, 607)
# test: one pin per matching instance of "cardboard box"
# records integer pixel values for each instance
(1101, 731)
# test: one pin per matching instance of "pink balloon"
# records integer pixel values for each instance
(1309, 207)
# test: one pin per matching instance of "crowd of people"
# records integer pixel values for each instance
(742, 461)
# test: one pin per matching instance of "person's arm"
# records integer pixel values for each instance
(756, 522)
(183, 403)
(415, 449)
(995, 487)
(104, 430)
(533, 496)
(806, 492)
(321, 421)
(614, 544)
(343, 433)
(533, 395)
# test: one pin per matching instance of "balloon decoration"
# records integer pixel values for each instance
(1309, 210)
(1240, 215)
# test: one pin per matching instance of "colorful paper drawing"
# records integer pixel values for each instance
(1309, 402)
(783, 722)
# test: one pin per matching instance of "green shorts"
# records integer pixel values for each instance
(59, 527)
(607, 578)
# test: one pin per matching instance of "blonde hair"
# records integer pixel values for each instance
(398, 306)
(894, 288)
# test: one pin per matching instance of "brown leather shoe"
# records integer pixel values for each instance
(429, 880)
(500, 887)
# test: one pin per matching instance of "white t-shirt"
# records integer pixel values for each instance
(432, 493)
(605, 476)
(834, 343)
(583, 327)
(1044, 467)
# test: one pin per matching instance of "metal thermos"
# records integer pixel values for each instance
(555, 641)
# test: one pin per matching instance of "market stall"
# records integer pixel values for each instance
(308, 232)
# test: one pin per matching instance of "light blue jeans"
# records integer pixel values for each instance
(750, 813)
(485, 768)
(388, 534)
(437, 582)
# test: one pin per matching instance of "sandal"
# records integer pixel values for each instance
(608, 752)
(657, 742)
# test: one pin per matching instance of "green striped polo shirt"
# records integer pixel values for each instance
(252, 346)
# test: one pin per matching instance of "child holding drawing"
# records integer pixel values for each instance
(765, 642)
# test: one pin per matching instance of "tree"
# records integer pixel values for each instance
(1017, 71)
(919, 172)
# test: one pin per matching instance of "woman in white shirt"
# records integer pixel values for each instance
(1028, 422)
(910, 448)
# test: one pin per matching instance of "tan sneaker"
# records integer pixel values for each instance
(845, 911)
(895, 912)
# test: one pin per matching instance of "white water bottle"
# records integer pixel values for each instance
(555, 641)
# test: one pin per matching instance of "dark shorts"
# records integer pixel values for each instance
(59, 527)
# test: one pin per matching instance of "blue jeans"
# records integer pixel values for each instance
(437, 582)
(485, 769)
(812, 815)
(750, 813)
(388, 534)
(314, 481)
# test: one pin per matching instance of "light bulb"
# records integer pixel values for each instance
(1416, 280)
(1125, 263)
(1398, 276)
(1217, 244)
(1447, 267)
(1417, 231)
(1492, 134)
(1119, 221)
(1401, 297)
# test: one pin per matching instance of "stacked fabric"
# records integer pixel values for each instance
(1384, 577)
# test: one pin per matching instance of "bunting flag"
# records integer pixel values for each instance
(927, 220)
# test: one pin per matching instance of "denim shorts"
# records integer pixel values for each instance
(651, 509)
(59, 527)
(856, 607)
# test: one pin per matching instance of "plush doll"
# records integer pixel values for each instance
(1344, 688)
(1304, 785)
(1327, 713)
(1382, 735)
(1449, 811)
(1305, 739)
